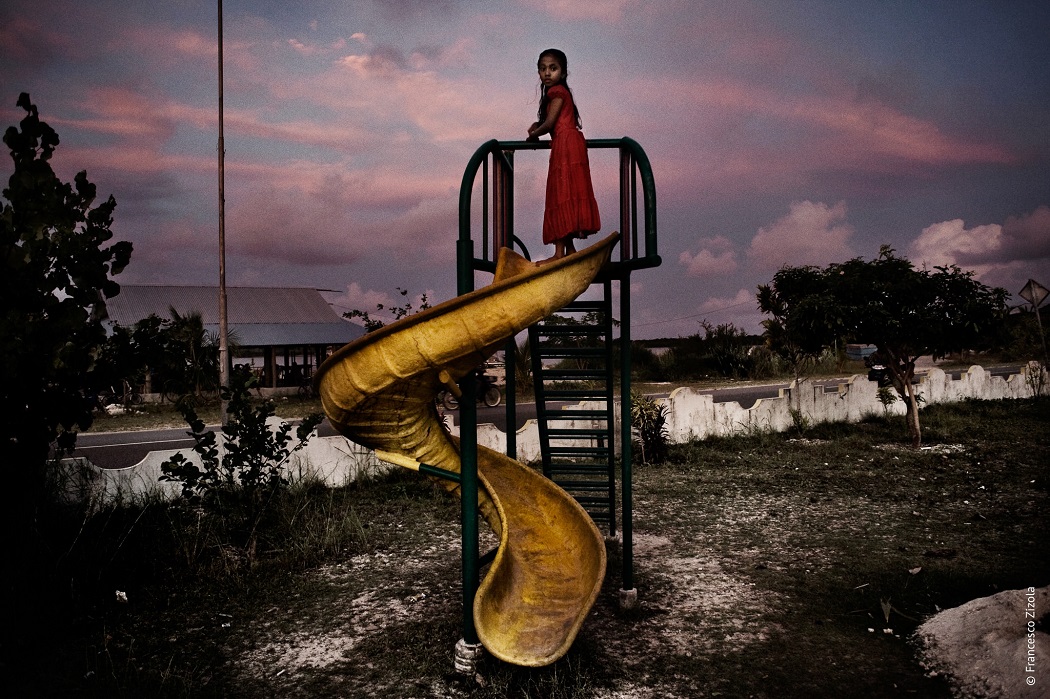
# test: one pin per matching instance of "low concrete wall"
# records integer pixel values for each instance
(337, 461)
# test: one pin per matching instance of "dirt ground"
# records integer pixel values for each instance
(979, 647)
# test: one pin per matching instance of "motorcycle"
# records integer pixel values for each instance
(878, 372)
(486, 390)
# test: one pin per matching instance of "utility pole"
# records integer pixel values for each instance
(224, 357)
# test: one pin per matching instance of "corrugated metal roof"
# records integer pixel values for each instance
(290, 334)
(259, 316)
(243, 304)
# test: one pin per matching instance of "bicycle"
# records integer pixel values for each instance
(127, 396)
(487, 392)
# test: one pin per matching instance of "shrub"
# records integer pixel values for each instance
(239, 484)
(648, 419)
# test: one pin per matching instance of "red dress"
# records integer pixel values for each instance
(571, 210)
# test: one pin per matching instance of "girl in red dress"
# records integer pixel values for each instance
(571, 211)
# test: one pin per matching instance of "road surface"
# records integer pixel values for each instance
(123, 449)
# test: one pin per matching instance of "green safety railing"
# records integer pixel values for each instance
(495, 162)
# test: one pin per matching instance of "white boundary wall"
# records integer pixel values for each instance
(690, 415)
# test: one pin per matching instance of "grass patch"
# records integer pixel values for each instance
(767, 565)
(148, 416)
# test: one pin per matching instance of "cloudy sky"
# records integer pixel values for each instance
(780, 133)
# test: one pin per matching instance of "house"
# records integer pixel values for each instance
(283, 333)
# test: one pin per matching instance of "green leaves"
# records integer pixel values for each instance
(649, 424)
(56, 272)
(239, 483)
(905, 312)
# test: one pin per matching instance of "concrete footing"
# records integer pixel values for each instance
(467, 656)
(628, 599)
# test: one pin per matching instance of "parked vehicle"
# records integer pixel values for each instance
(486, 390)
(878, 371)
(124, 394)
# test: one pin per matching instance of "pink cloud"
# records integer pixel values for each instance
(28, 40)
(384, 87)
(170, 47)
(356, 298)
(836, 128)
(607, 11)
(125, 113)
(315, 215)
(810, 234)
(715, 257)
(131, 158)
(951, 243)
(1002, 255)
(716, 304)
(1028, 237)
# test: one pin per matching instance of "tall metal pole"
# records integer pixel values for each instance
(224, 358)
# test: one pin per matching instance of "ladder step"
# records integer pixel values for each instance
(580, 466)
(573, 374)
(597, 472)
(569, 433)
(571, 352)
(591, 500)
(584, 306)
(594, 486)
(552, 415)
(591, 422)
(576, 451)
(598, 452)
(589, 417)
(569, 412)
(563, 330)
(575, 393)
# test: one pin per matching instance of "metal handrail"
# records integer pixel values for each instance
(634, 166)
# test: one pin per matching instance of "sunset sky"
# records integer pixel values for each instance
(780, 133)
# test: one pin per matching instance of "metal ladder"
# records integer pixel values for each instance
(572, 360)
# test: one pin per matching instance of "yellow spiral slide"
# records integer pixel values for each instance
(380, 392)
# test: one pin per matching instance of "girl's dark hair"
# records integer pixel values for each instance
(559, 57)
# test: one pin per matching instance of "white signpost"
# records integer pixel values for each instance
(1035, 293)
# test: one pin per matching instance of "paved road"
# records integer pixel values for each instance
(123, 449)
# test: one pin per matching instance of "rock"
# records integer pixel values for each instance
(991, 647)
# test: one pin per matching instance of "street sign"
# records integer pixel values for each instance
(1034, 293)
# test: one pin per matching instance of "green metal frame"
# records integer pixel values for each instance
(638, 250)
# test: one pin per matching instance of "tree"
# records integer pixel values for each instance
(905, 312)
(796, 301)
(56, 276)
(177, 355)
(190, 365)
(399, 312)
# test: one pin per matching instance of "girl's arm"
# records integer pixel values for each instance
(553, 109)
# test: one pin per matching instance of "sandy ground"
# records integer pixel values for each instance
(993, 646)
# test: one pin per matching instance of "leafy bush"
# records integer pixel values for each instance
(723, 350)
(649, 419)
(240, 483)
(645, 365)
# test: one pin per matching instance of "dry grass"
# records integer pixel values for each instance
(765, 567)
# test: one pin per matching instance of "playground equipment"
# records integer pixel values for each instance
(380, 392)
